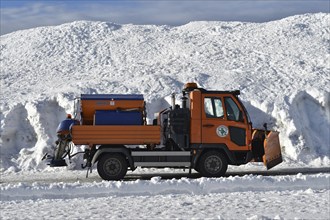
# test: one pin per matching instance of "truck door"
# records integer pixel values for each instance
(223, 121)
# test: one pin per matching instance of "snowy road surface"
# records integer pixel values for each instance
(69, 195)
(287, 204)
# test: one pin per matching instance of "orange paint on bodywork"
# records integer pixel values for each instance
(196, 114)
(116, 134)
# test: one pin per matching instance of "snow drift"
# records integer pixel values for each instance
(34, 195)
(281, 67)
(156, 186)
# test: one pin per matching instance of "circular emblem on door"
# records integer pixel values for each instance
(222, 131)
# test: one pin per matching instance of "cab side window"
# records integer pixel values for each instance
(218, 108)
(208, 108)
(233, 112)
(213, 107)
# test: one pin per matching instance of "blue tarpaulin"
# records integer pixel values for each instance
(111, 97)
(106, 117)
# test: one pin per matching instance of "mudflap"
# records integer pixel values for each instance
(272, 149)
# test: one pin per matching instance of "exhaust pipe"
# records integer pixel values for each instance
(184, 99)
(173, 101)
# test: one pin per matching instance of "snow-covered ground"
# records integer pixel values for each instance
(238, 197)
(281, 67)
(69, 195)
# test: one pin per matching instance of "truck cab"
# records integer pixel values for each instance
(213, 123)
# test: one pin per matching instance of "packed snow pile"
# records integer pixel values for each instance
(157, 186)
(298, 196)
(281, 67)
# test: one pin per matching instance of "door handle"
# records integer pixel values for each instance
(208, 125)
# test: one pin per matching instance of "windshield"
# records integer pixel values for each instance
(245, 111)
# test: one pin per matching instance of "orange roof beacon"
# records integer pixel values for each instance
(207, 132)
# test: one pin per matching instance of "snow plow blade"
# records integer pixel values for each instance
(272, 148)
(266, 147)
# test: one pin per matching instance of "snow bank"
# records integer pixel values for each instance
(157, 186)
(281, 67)
(248, 197)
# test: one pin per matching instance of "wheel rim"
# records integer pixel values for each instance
(112, 166)
(213, 164)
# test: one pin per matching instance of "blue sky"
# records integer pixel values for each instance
(23, 14)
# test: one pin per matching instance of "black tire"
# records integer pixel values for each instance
(112, 166)
(212, 164)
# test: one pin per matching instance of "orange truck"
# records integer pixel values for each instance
(207, 132)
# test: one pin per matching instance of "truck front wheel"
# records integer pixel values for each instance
(112, 166)
(212, 164)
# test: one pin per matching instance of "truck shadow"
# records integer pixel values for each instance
(194, 175)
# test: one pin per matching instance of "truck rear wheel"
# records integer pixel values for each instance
(213, 164)
(112, 166)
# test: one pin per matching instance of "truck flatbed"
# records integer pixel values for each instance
(116, 134)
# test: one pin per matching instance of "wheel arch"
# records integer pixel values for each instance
(203, 148)
(114, 149)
